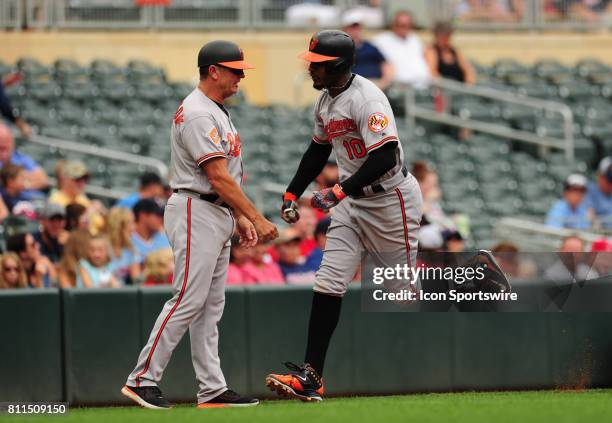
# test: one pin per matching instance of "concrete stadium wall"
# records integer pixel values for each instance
(80, 345)
(274, 53)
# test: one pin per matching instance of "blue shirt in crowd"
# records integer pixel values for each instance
(301, 273)
(601, 204)
(23, 160)
(561, 215)
(129, 202)
(122, 263)
(368, 61)
(143, 248)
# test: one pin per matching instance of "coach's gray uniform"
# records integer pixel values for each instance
(199, 232)
(356, 122)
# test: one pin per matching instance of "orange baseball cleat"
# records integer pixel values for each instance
(303, 382)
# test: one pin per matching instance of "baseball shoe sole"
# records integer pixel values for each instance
(134, 397)
(287, 391)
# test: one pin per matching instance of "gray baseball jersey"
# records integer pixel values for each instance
(199, 233)
(356, 122)
(201, 131)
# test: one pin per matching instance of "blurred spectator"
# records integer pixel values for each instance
(453, 241)
(12, 273)
(295, 267)
(6, 109)
(432, 195)
(369, 61)
(261, 268)
(570, 266)
(571, 211)
(586, 10)
(320, 235)
(12, 190)
(602, 260)
(148, 235)
(513, 264)
(405, 51)
(430, 238)
(35, 177)
(239, 256)
(151, 186)
(39, 269)
(305, 227)
(370, 16)
(76, 217)
(328, 176)
(72, 190)
(491, 10)
(95, 269)
(159, 268)
(311, 13)
(74, 250)
(444, 60)
(52, 237)
(599, 194)
(125, 259)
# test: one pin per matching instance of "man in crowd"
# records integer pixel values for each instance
(35, 176)
(405, 51)
(151, 186)
(148, 235)
(53, 236)
(571, 211)
(599, 194)
(296, 268)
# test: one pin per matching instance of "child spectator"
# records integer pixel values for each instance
(571, 211)
(41, 272)
(74, 250)
(13, 186)
(159, 268)
(125, 259)
(295, 267)
(12, 273)
(95, 270)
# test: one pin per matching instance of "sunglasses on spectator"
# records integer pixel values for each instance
(84, 178)
(10, 269)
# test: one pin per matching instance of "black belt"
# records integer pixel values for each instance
(211, 198)
(378, 188)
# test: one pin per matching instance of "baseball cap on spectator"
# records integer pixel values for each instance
(605, 168)
(575, 181)
(75, 169)
(52, 210)
(352, 17)
(287, 235)
(322, 226)
(601, 245)
(150, 178)
(148, 206)
(451, 234)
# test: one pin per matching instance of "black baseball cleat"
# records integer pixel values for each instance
(229, 399)
(302, 382)
(146, 396)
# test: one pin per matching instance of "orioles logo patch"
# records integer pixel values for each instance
(313, 43)
(214, 136)
(377, 122)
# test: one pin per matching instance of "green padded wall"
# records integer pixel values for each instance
(31, 348)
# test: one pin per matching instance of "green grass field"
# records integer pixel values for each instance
(489, 407)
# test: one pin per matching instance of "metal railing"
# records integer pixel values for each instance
(535, 236)
(526, 15)
(414, 111)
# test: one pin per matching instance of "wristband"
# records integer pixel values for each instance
(289, 197)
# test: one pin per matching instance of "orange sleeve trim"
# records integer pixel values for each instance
(319, 140)
(381, 142)
(209, 156)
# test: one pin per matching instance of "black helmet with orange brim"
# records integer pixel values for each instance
(332, 46)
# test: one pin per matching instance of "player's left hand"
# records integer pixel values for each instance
(247, 232)
(327, 198)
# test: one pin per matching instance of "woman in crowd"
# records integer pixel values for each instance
(39, 269)
(75, 250)
(95, 270)
(76, 217)
(125, 259)
(12, 273)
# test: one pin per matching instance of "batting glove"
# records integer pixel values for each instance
(289, 209)
(327, 198)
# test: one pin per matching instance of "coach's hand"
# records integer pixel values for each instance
(289, 208)
(266, 231)
(327, 198)
(247, 232)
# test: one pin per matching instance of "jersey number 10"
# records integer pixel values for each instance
(355, 148)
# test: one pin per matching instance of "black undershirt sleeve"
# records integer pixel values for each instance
(379, 162)
(311, 165)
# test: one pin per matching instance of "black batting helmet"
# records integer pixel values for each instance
(335, 47)
(224, 53)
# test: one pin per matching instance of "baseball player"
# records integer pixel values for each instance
(377, 204)
(200, 218)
